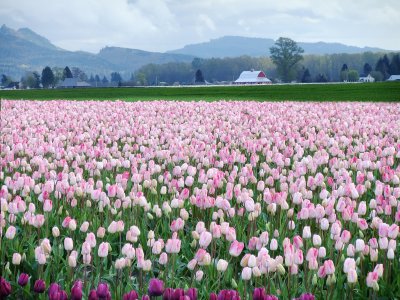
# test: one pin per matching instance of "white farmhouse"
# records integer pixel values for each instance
(368, 78)
(252, 77)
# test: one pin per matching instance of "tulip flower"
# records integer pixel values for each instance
(191, 293)
(236, 248)
(213, 296)
(132, 295)
(16, 259)
(222, 265)
(259, 294)
(76, 291)
(156, 287)
(68, 244)
(103, 249)
(102, 290)
(306, 296)
(10, 232)
(23, 279)
(39, 286)
(93, 295)
(5, 288)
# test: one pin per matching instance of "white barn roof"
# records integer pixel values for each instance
(73, 82)
(252, 77)
(394, 78)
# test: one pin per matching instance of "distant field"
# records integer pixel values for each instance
(386, 91)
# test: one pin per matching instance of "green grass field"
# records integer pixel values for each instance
(386, 91)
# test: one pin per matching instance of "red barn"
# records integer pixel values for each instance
(253, 77)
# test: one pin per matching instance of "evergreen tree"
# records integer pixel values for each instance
(321, 78)
(383, 66)
(116, 77)
(67, 73)
(306, 76)
(47, 77)
(5, 80)
(344, 68)
(199, 78)
(367, 69)
(394, 67)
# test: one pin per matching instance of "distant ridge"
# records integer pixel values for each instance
(24, 50)
(231, 46)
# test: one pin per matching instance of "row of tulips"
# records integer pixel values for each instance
(155, 289)
(294, 197)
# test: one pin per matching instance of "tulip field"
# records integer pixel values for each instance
(199, 200)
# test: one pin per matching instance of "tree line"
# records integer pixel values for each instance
(51, 77)
(310, 68)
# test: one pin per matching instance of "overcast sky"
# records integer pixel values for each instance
(160, 25)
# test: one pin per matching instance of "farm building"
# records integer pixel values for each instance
(368, 78)
(394, 78)
(72, 83)
(252, 77)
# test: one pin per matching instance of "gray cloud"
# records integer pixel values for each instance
(160, 25)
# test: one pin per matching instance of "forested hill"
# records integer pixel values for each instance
(24, 51)
(233, 46)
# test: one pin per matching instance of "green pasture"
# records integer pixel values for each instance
(384, 91)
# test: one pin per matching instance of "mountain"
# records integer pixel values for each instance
(133, 59)
(29, 35)
(231, 46)
(228, 46)
(24, 50)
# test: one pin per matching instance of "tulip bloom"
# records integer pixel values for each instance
(103, 249)
(132, 295)
(246, 273)
(205, 239)
(222, 265)
(191, 293)
(68, 244)
(102, 290)
(156, 287)
(39, 286)
(23, 279)
(10, 232)
(5, 288)
(236, 248)
(76, 291)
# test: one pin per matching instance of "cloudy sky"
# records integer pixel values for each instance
(160, 25)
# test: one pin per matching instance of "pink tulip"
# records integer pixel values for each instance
(205, 239)
(372, 280)
(352, 276)
(393, 231)
(10, 232)
(163, 259)
(68, 244)
(173, 246)
(236, 248)
(103, 249)
(246, 273)
(329, 267)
